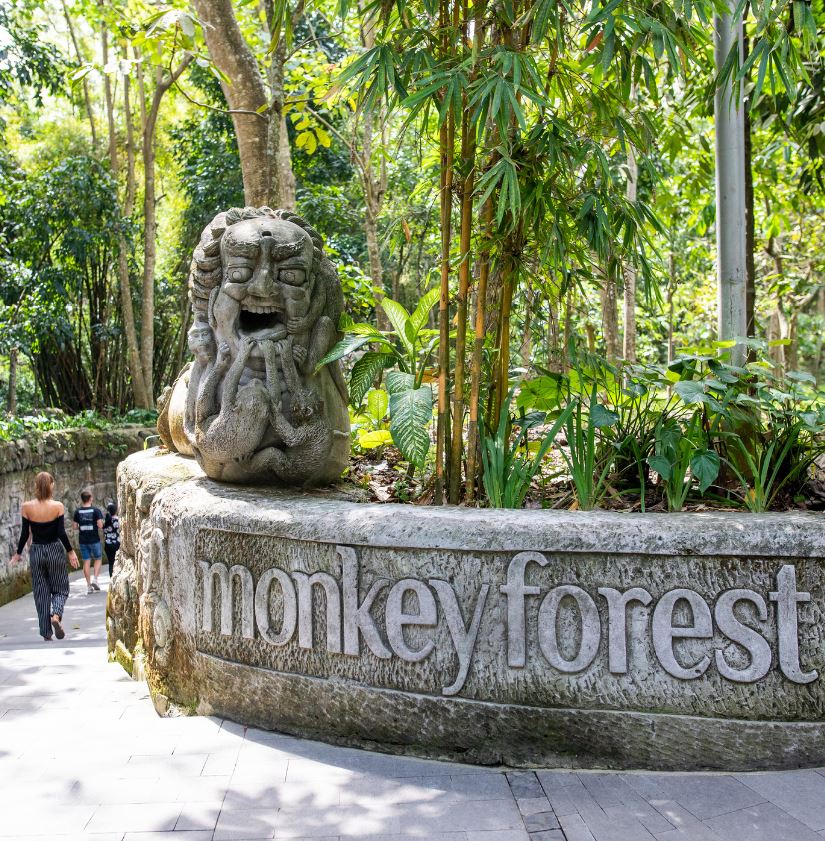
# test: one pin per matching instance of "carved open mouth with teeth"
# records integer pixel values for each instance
(258, 320)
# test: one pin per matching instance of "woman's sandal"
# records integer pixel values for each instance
(58, 628)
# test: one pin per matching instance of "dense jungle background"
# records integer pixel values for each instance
(520, 198)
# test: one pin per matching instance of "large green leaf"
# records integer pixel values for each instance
(422, 312)
(399, 318)
(343, 348)
(691, 391)
(542, 393)
(600, 416)
(398, 381)
(364, 372)
(661, 465)
(378, 402)
(704, 466)
(411, 413)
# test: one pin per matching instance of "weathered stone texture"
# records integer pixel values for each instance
(78, 458)
(678, 641)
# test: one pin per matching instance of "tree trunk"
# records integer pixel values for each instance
(86, 98)
(671, 287)
(731, 223)
(750, 220)
(468, 152)
(473, 438)
(820, 311)
(446, 147)
(286, 177)
(247, 100)
(141, 397)
(147, 332)
(11, 397)
(630, 269)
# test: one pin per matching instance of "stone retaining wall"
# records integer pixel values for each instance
(78, 459)
(525, 637)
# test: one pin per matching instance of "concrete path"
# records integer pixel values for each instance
(83, 756)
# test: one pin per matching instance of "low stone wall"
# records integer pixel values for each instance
(525, 637)
(78, 459)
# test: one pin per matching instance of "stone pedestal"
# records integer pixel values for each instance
(524, 637)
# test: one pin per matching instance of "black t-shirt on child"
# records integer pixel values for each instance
(111, 530)
(87, 518)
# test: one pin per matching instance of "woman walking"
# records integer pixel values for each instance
(43, 520)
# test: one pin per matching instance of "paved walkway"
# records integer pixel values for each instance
(83, 756)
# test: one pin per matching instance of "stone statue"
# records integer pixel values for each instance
(266, 302)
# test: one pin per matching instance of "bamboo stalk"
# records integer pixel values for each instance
(468, 154)
(442, 465)
(478, 347)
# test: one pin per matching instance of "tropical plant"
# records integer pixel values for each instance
(510, 462)
(369, 427)
(406, 348)
(588, 461)
(681, 458)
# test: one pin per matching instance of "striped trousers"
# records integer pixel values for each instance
(50, 582)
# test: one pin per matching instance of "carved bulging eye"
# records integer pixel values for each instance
(239, 274)
(293, 276)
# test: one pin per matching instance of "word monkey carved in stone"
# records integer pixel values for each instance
(266, 302)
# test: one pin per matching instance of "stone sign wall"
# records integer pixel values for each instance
(579, 639)
(78, 459)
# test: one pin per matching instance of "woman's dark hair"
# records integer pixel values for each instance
(112, 508)
(43, 484)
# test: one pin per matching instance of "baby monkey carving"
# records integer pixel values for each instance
(237, 428)
(308, 439)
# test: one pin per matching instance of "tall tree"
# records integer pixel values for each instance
(731, 218)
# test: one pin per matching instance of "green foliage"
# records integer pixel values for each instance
(23, 426)
(369, 428)
(680, 458)
(509, 465)
(584, 456)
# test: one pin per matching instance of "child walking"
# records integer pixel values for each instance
(42, 519)
(111, 536)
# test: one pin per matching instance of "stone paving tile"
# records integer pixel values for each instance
(26, 818)
(462, 816)
(575, 829)
(246, 824)
(533, 805)
(524, 784)
(380, 819)
(800, 793)
(198, 816)
(135, 817)
(692, 832)
(540, 822)
(549, 835)
(199, 835)
(764, 822)
(709, 795)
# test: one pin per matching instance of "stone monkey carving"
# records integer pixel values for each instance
(266, 303)
(202, 345)
(308, 439)
(230, 431)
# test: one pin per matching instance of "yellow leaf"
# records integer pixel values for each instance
(323, 138)
(376, 438)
